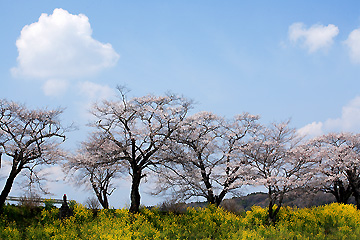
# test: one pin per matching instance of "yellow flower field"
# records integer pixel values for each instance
(334, 221)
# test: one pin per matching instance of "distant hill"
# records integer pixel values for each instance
(244, 203)
(260, 199)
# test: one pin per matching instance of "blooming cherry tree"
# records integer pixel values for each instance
(95, 166)
(140, 128)
(31, 139)
(204, 158)
(277, 163)
(338, 165)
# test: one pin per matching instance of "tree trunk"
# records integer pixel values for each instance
(7, 188)
(220, 197)
(354, 181)
(100, 193)
(105, 203)
(341, 193)
(357, 199)
(102, 198)
(272, 201)
(356, 192)
(210, 197)
(135, 192)
(271, 217)
(273, 212)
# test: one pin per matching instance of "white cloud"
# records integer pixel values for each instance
(349, 121)
(353, 43)
(92, 92)
(314, 38)
(95, 91)
(55, 87)
(314, 128)
(60, 46)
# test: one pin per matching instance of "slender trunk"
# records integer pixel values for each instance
(135, 193)
(100, 194)
(136, 178)
(271, 204)
(102, 198)
(105, 203)
(7, 188)
(210, 197)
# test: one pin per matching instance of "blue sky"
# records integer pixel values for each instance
(278, 59)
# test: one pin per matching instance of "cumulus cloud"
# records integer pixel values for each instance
(353, 43)
(349, 121)
(314, 38)
(60, 46)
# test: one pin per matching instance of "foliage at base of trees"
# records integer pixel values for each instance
(333, 221)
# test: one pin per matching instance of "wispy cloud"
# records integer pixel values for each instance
(353, 43)
(348, 121)
(55, 87)
(94, 91)
(314, 38)
(90, 93)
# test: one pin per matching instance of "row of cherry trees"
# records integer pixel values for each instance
(204, 155)
(198, 155)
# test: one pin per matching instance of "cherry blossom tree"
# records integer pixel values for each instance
(95, 167)
(204, 158)
(31, 139)
(338, 165)
(140, 128)
(278, 163)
